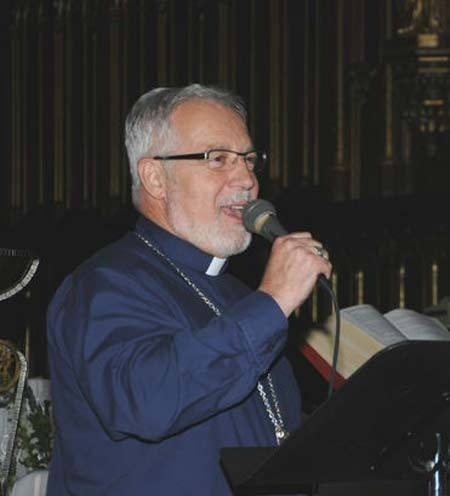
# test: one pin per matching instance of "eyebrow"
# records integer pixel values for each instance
(226, 147)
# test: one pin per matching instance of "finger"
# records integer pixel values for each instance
(305, 241)
(328, 269)
(300, 235)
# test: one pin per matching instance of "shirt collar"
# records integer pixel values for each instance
(179, 250)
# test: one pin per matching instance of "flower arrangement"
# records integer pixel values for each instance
(34, 439)
(35, 432)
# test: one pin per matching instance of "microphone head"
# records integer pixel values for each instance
(255, 215)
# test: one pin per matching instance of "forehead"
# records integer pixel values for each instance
(207, 123)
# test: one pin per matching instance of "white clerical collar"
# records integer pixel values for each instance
(215, 266)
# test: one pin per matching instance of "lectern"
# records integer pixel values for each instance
(390, 420)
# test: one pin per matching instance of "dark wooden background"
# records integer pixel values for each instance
(324, 101)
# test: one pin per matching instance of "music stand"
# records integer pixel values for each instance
(376, 426)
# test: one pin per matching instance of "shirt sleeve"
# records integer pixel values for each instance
(143, 368)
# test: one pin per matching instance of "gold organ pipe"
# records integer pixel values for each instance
(162, 45)
(123, 169)
(94, 122)
(25, 163)
(306, 45)
(275, 90)
(15, 115)
(68, 161)
(85, 104)
(434, 283)
(317, 79)
(201, 41)
(284, 94)
(58, 112)
(401, 281)
(114, 104)
(143, 29)
(233, 42)
(253, 75)
(223, 41)
(388, 82)
(40, 105)
(359, 287)
(340, 83)
(190, 42)
(389, 147)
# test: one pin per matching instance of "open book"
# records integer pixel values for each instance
(364, 332)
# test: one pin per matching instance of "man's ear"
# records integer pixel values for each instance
(153, 177)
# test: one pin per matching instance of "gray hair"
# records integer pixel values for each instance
(149, 120)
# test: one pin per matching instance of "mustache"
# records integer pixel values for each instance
(238, 197)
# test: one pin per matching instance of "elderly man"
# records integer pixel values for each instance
(158, 357)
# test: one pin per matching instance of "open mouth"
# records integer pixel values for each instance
(234, 211)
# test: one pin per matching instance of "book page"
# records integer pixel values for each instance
(364, 332)
(373, 323)
(355, 346)
(416, 325)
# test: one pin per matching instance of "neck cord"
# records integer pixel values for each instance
(274, 413)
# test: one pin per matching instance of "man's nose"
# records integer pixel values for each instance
(242, 173)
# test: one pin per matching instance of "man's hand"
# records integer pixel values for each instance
(293, 268)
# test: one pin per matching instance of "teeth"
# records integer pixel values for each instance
(236, 207)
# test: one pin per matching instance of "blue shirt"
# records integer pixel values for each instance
(148, 384)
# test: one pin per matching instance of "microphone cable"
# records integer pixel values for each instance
(323, 282)
(259, 216)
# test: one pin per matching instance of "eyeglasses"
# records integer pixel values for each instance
(221, 159)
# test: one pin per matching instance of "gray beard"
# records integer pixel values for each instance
(209, 236)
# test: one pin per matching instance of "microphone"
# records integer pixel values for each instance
(260, 217)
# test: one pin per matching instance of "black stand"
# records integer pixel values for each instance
(390, 420)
